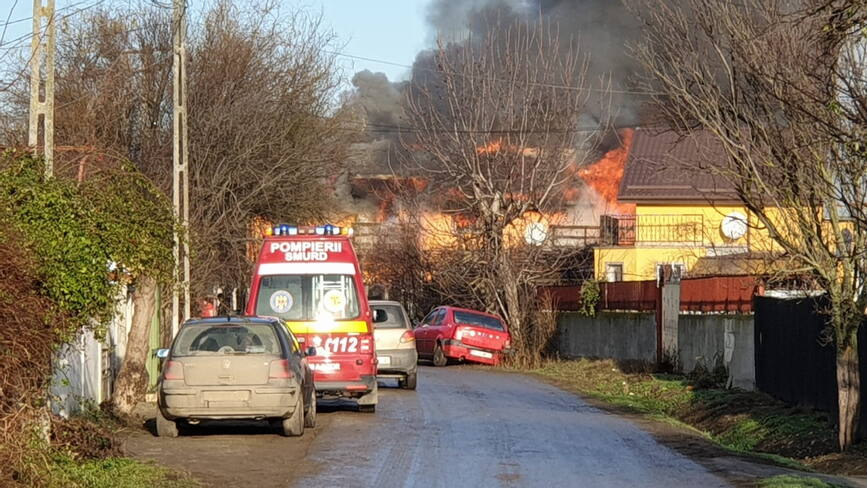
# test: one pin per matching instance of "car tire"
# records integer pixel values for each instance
(294, 425)
(310, 416)
(439, 357)
(367, 403)
(166, 427)
(409, 381)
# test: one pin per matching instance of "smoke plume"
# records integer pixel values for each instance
(600, 29)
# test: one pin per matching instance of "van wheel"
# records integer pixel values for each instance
(166, 427)
(294, 425)
(310, 416)
(439, 357)
(409, 382)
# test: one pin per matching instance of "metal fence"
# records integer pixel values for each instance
(627, 230)
(719, 294)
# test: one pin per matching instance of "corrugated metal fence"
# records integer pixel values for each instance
(720, 294)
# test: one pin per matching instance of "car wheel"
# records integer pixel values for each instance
(409, 382)
(166, 427)
(439, 357)
(367, 403)
(294, 425)
(310, 416)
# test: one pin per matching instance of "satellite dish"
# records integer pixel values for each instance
(734, 225)
(535, 233)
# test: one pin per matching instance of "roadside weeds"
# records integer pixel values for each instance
(85, 452)
(748, 423)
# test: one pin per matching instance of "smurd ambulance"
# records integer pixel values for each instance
(310, 278)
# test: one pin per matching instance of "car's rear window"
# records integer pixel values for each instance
(395, 320)
(219, 339)
(470, 318)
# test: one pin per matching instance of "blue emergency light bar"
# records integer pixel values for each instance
(301, 230)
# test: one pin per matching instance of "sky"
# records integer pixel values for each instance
(386, 30)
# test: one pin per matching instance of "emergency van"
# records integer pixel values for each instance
(310, 278)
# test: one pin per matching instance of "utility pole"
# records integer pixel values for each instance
(180, 175)
(42, 107)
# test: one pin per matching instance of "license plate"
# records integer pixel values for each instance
(226, 396)
(325, 367)
(384, 360)
(481, 354)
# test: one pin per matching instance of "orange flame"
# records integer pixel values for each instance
(605, 175)
(491, 148)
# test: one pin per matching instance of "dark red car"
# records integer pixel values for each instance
(462, 334)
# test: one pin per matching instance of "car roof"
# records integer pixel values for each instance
(477, 312)
(384, 302)
(233, 319)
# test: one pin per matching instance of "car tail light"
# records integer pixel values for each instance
(280, 370)
(408, 336)
(507, 344)
(174, 370)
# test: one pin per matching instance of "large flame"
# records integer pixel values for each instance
(604, 176)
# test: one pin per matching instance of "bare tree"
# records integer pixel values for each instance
(494, 132)
(781, 86)
(266, 135)
(266, 131)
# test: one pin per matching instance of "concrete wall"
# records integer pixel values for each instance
(704, 338)
(612, 335)
(699, 338)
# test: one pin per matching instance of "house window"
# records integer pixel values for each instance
(613, 272)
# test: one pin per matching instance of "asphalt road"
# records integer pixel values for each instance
(472, 427)
(464, 426)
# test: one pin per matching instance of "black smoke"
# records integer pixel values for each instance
(601, 29)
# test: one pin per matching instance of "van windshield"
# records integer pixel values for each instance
(468, 318)
(308, 297)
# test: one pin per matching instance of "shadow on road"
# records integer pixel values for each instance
(219, 427)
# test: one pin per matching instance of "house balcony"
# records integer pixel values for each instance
(668, 230)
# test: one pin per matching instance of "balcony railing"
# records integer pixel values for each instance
(369, 234)
(627, 230)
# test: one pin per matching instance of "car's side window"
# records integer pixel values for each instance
(440, 316)
(430, 318)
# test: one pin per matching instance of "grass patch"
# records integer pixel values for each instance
(114, 472)
(789, 481)
(745, 422)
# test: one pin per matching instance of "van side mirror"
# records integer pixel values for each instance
(379, 315)
(311, 351)
(162, 353)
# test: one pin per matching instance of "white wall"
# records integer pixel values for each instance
(81, 366)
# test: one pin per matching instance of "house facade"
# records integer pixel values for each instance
(685, 215)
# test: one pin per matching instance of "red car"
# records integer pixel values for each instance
(462, 334)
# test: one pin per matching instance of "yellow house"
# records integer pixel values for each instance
(685, 216)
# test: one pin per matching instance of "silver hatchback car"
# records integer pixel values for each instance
(395, 343)
(236, 368)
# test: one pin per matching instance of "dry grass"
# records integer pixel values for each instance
(743, 421)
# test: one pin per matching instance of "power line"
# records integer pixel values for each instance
(6, 25)
(26, 19)
(30, 35)
(396, 129)
(543, 85)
